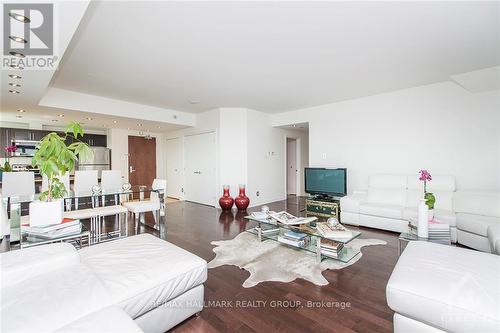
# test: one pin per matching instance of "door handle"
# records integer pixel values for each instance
(131, 169)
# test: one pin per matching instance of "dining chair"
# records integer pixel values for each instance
(16, 184)
(65, 180)
(153, 204)
(111, 181)
(84, 181)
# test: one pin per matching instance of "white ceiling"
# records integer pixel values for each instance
(273, 56)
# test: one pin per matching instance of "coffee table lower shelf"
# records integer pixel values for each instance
(345, 255)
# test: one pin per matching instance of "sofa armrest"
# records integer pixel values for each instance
(20, 265)
(494, 238)
(351, 202)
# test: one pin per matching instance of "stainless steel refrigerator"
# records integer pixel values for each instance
(101, 160)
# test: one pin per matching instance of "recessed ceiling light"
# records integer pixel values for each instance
(128, 128)
(54, 120)
(88, 118)
(17, 54)
(21, 110)
(61, 116)
(114, 121)
(294, 125)
(140, 125)
(193, 101)
(14, 91)
(14, 84)
(159, 126)
(19, 116)
(19, 17)
(13, 76)
(18, 39)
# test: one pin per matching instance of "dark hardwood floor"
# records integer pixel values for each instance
(360, 288)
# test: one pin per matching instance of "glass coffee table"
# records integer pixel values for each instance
(269, 228)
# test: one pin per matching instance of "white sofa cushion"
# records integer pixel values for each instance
(350, 203)
(387, 181)
(143, 271)
(449, 288)
(110, 319)
(476, 224)
(382, 210)
(386, 196)
(53, 300)
(480, 203)
(444, 216)
(18, 266)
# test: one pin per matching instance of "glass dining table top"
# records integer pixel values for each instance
(136, 189)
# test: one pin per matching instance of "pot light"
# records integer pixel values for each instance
(61, 116)
(21, 110)
(193, 101)
(14, 84)
(140, 125)
(13, 76)
(19, 116)
(18, 39)
(114, 121)
(16, 67)
(294, 125)
(88, 118)
(54, 120)
(19, 17)
(17, 54)
(14, 91)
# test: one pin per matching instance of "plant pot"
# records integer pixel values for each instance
(226, 202)
(423, 220)
(242, 201)
(431, 214)
(45, 213)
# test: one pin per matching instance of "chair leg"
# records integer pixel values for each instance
(126, 224)
(136, 217)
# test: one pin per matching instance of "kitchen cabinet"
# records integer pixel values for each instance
(95, 140)
(4, 140)
(19, 134)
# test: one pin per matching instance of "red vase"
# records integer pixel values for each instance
(242, 201)
(226, 202)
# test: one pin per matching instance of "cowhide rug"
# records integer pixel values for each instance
(271, 261)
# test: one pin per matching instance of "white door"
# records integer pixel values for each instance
(199, 157)
(291, 166)
(174, 168)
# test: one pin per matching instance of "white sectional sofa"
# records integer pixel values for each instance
(135, 284)
(438, 288)
(478, 220)
(391, 200)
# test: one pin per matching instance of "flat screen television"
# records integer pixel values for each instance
(326, 182)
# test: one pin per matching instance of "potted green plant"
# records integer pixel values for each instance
(54, 158)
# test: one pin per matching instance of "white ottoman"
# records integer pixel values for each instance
(445, 288)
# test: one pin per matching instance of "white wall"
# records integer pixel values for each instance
(249, 151)
(267, 158)
(439, 127)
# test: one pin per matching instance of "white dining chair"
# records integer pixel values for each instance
(138, 208)
(65, 180)
(84, 181)
(111, 181)
(16, 184)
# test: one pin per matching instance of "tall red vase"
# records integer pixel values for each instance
(242, 201)
(226, 202)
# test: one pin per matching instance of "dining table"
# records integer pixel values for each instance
(18, 208)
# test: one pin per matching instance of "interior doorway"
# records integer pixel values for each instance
(141, 160)
(200, 163)
(292, 166)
